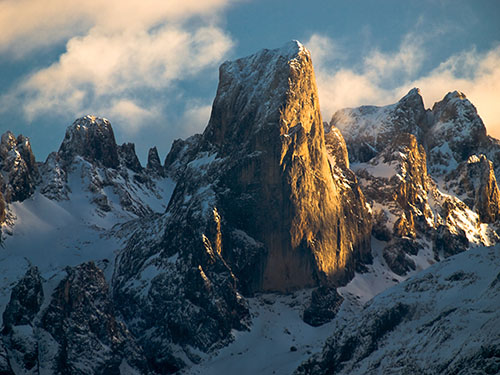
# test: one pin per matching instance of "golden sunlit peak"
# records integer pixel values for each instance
(91, 118)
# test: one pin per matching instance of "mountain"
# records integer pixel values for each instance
(259, 238)
(425, 200)
(442, 321)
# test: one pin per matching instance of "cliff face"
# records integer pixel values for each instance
(93, 139)
(72, 331)
(19, 172)
(475, 183)
(275, 181)
(421, 176)
(369, 129)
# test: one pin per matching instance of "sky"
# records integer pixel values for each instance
(151, 66)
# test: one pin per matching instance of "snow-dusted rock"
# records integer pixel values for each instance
(368, 129)
(72, 331)
(475, 183)
(18, 169)
(93, 139)
(276, 185)
(417, 197)
(128, 157)
(154, 164)
(442, 321)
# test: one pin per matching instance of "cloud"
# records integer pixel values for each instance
(28, 24)
(121, 57)
(383, 78)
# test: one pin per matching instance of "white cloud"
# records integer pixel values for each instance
(383, 78)
(28, 24)
(120, 55)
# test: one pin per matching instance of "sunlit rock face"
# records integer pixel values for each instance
(428, 189)
(474, 181)
(259, 205)
(266, 121)
(284, 214)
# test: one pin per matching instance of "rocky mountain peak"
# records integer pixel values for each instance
(457, 132)
(283, 216)
(413, 99)
(244, 83)
(93, 139)
(454, 105)
(154, 163)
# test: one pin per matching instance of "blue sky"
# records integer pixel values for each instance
(151, 67)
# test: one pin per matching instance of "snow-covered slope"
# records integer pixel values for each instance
(445, 320)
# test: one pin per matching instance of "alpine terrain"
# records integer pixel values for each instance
(273, 243)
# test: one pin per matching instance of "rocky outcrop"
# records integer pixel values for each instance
(283, 194)
(450, 132)
(89, 153)
(368, 129)
(93, 139)
(324, 305)
(398, 151)
(18, 335)
(258, 206)
(76, 332)
(396, 183)
(456, 133)
(19, 171)
(154, 164)
(128, 157)
(185, 297)
(475, 183)
(80, 319)
(25, 301)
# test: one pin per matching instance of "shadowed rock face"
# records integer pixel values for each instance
(20, 172)
(266, 121)
(93, 139)
(128, 157)
(25, 301)
(154, 164)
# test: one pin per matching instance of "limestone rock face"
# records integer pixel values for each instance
(259, 205)
(128, 157)
(397, 184)
(474, 181)
(368, 129)
(18, 166)
(283, 193)
(457, 132)
(81, 304)
(112, 174)
(419, 172)
(93, 139)
(76, 332)
(25, 301)
(154, 164)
